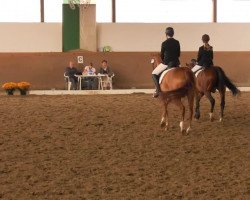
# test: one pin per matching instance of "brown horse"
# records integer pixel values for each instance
(176, 84)
(208, 81)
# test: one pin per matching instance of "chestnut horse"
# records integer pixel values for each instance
(176, 84)
(208, 81)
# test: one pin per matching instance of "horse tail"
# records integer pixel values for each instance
(224, 80)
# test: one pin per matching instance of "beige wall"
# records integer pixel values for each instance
(148, 37)
(47, 37)
(30, 37)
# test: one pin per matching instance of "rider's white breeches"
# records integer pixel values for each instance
(159, 69)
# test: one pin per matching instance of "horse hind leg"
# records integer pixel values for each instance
(212, 102)
(190, 97)
(222, 103)
(164, 119)
(197, 106)
(182, 108)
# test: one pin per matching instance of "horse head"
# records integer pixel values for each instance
(156, 59)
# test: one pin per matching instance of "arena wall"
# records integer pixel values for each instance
(124, 37)
(132, 44)
(132, 69)
(31, 37)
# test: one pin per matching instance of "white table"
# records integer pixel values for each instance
(98, 76)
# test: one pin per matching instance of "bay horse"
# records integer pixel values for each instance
(176, 84)
(209, 80)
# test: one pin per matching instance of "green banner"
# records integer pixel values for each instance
(71, 29)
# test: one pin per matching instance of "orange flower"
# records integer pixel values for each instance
(23, 85)
(10, 85)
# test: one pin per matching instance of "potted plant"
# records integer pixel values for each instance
(23, 87)
(9, 87)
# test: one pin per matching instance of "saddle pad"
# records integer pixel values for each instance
(163, 74)
(197, 69)
(197, 73)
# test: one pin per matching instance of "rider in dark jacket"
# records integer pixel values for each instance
(205, 54)
(170, 53)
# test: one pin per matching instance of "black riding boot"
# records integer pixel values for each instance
(157, 85)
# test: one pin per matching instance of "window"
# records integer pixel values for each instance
(233, 10)
(164, 11)
(20, 11)
(53, 10)
(104, 10)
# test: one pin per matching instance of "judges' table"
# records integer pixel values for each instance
(98, 76)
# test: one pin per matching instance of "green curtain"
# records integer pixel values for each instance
(71, 29)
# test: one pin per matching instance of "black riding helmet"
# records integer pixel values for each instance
(169, 31)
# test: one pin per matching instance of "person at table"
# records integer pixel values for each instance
(91, 81)
(106, 70)
(89, 70)
(71, 71)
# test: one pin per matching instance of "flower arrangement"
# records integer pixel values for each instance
(9, 87)
(23, 87)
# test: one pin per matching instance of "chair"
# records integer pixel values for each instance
(106, 81)
(68, 83)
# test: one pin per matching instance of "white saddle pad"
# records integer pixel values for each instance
(197, 69)
(163, 74)
(197, 73)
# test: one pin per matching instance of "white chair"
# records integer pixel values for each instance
(105, 82)
(68, 83)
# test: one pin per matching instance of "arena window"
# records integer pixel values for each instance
(53, 11)
(161, 11)
(233, 11)
(104, 10)
(20, 11)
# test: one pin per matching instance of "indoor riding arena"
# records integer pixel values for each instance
(61, 139)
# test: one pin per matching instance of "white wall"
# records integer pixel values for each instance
(148, 37)
(30, 37)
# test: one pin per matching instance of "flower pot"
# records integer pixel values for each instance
(23, 92)
(10, 91)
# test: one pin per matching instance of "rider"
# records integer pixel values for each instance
(205, 54)
(170, 53)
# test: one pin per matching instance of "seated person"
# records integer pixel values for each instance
(89, 70)
(105, 69)
(91, 81)
(71, 71)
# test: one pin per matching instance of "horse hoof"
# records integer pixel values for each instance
(163, 124)
(211, 117)
(197, 117)
(166, 128)
(220, 120)
(188, 130)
